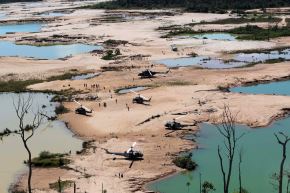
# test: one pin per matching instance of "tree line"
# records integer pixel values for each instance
(194, 5)
(16, 1)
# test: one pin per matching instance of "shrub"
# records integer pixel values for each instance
(185, 162)
(47, 159)
(60, 109)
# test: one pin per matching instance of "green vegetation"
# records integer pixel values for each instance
(207, 187)
(241, 20)
(273, 61)
(21, 85)
(178, 83)
(15, 1)
(252, 32)
(217, 6)
(185, 162)
(111, 55)
(47, 159)
(62, 184)
(115, 43)
(18, 191)
(181, 31)
(17, 85)
(249, 32)
(61, 109)
(65, 76)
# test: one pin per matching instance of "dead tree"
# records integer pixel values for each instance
(240, 172)
(227, 129)
(23, 106)
(282, 139)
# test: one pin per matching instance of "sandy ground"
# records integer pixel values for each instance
(140, 33)
(183, 90)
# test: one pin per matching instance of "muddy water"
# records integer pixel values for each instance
(52, 136)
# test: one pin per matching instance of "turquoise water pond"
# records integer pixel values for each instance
(216, 36)
(51, 136)
(53, 14)
(44, 52)
(199, 61)
(263, 56)
(262, 154)
(281, 87)
(238, 60)
(2, 15)
(14, 28)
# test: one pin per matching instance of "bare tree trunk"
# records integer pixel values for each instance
(288, 182)
(228, 130)
(29, 167)
(240, 172)
(282, 169)
(284, 150)
(222, 169)
(26, 131)
(200, 182)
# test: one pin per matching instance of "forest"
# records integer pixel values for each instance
(15, 1)
(193, 5)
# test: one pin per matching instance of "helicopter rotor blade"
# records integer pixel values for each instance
(77, 102)
(134, 92)
(129, 149)
(131, 163)
(150, 73)
(133, 145)
(139, 95)
(87, 109)
(145, 98)
(180, 117)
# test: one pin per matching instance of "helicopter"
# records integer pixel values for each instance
(150, 74)
(147, 74)
(82, 110)
(130, 154)
(139, 99)
(174, 126)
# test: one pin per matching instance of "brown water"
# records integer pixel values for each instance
(52, 136)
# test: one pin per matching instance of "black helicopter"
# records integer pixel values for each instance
(82, 110)
(174, 126)
(150, 74)
(139, 99)
(130, 154)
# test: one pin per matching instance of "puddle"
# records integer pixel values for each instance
(216, 36)
(85, 76)
(14, 28)
(239, 60)
(128, 90)
(44, 52)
